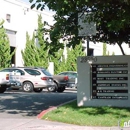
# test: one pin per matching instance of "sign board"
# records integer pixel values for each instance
(86, 29)
(103, 81)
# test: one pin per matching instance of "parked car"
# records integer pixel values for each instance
(72, 82)
(33, 79)
(60, 82)
(7, 80)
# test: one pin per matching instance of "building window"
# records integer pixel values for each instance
(8, 17)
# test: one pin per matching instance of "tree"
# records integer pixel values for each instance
(72, 54)
(30, 54)
(59, 61)
(5, 52)
(42, 47)
(36, 53)
(104, 49)
(111, 17)
(113, 53)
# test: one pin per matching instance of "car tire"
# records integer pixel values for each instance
(61, 89)
(2, 89)
(53, 88)
(27, 86)
(37, 90)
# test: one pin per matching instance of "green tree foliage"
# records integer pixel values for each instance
(104, 49)
(59, 61)
(5, 52)
(30, 54)
(36, 53)
(70, 63)
(42, 46)
(105, 52)
(113, 53)
(111, 17)
(72, 54)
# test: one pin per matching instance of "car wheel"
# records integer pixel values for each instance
(38, 90)
(27, 87)
(61, 89)
(2, 89)
(53, 88)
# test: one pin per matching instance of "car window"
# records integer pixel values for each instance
(19, 71)
(5, 70)
(32, 72)
(46, 72)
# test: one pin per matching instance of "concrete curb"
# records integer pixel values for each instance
(51, 109)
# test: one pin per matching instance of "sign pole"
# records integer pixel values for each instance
(87, 45)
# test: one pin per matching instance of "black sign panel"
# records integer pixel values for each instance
(111, 79)
(111, 97)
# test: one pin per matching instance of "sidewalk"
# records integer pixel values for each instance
(38, 124)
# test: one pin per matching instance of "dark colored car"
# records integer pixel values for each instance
(72, 82)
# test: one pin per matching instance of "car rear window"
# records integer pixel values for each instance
(62, 74)
(32, 72)
(46, 72)
(70, 74)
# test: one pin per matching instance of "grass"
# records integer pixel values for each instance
(89, 116)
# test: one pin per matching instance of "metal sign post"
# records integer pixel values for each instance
(86, 29)
(87, 46)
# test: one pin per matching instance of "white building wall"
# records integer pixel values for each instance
(97, 48)
(116, 49)
(23, 20)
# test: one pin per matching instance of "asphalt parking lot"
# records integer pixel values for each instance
(18, 104)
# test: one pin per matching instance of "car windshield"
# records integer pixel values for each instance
(46, 72)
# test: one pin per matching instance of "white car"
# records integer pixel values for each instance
(7, 80)
(32, 79)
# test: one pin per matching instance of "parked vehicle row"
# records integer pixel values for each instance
(36, 79)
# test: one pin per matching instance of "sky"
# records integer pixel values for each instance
(27, 1)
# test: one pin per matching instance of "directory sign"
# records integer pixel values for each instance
(107, 81)
(103, 81)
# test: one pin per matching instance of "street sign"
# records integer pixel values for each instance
(86, 29)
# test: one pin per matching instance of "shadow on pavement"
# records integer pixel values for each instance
(31, 104)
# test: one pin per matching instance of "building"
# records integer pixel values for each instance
(19, 19)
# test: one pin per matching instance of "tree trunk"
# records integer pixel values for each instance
(119, 44)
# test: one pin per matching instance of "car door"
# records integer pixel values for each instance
(18, 74)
